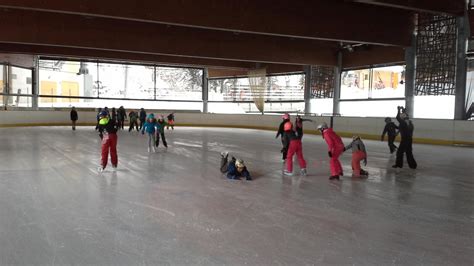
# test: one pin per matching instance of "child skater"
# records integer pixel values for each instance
(170, 121)
(161, 132)
(150, 127)
(108, 130)
(391, 130)
(358, 154)
(299, 125)
(235, 169)
(286, 118)
(294, 146)
(335, 149)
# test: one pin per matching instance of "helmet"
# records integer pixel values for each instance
(285, 116)
(288, 126)
(355, 137)
(388, 119)
(322, 126)
(103, 113)
(239, 163)
(150, 116)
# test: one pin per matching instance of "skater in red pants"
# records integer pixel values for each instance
(295, 146)
(108, 128)
(358, 154)
(335, 149)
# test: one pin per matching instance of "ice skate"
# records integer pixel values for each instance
(303, 172)
(100, 169)
(334, 177)
(224, 154)
(114, 168)
(287, 173)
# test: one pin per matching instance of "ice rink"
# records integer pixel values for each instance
(175, 207)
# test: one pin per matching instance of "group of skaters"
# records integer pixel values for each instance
(111, 121)
(292, 134)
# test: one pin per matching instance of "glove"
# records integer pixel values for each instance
(365, 162)
(330, 154)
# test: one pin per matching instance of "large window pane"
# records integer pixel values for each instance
(111, 83)
(2, 79)
(388, 82)
(279, 88)
(21, 80)
(355, 84)
(370, 108)
(66, 78)
(178, 83)
(139, 82)
(440, 107)
(321, 106)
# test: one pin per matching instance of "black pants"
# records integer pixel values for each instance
(405, 147)
(142, 122)
(392, 146)
(162, 134)
(133, 124)
(121, 123)
(284, 150)
(224, 164)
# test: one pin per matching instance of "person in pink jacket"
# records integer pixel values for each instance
(335, 149)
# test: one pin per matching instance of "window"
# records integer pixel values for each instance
(370, 108)
(371, 83)
(21, 80)
(178, 83)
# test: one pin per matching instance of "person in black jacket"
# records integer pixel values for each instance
(121, 116)
(391, 130)
(108, 131)
(299, 125)
(406, 132)
(74, 117)
(142, 117)
(281, 131)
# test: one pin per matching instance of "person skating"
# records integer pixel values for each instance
(391, 130)
(358, 154)
(74, 117)
(235, 169)
(142, 117)
(280, 133)
(335, 149)
(161, 131)
(108, 128)
(406, 129)
(133, 116)
(114, 115)
(121, 116)
(294, 146)
(299, 125)
(170, 121)
(150, 127)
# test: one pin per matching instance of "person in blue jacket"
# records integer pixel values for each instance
(235, 169)
(151, 127)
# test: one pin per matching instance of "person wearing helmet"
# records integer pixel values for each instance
(281, 131)
(108, 130)
(358, 154)
(335, 149)
(406, 133)
(235, 169)
(150, 127)
(294, 146)
(161, 132)
(391, 130)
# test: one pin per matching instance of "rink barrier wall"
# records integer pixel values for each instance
(428, 131)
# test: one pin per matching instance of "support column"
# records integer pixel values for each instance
(337, 84)
(205, 90)
(410, 59)
(35, 85)
(307, 89)
(5, 86)
(461, 69)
